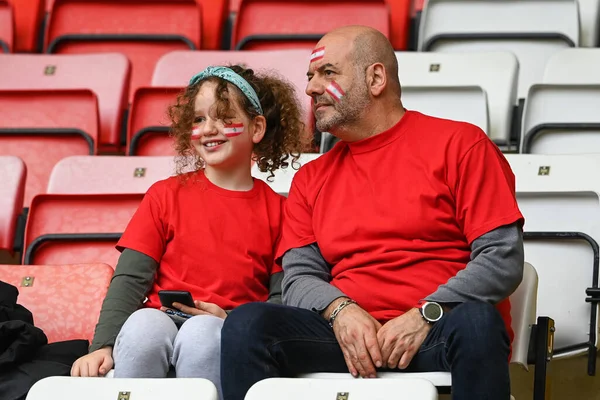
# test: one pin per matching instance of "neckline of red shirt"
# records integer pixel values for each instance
(229, 193)
(384, 138)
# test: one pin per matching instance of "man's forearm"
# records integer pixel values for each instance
(306, 280)
(495, 270)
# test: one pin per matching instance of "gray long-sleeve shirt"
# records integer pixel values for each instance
(494, 272)
(131, 282)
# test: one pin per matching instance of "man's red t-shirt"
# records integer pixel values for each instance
(395, 214)
(215, 243)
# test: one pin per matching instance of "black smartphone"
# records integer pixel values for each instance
(168, 297)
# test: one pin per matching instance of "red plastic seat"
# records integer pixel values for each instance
(142, 30)
(108, 174)
(7, 24)
(42, 127)
(63, 229)
(214, 16)
(275, 24)
(175, 69)
(148, 128)
(65, 300)
(12, 190)
(28, 16)
(107, 75)
(400, 19)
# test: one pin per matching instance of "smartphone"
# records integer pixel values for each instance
(168, 297)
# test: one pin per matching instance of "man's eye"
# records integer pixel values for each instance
(328, 72)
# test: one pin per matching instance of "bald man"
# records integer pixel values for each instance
(400, 246)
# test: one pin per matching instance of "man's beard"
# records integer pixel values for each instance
(347, 111)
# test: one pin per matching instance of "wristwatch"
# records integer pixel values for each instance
(431, 312)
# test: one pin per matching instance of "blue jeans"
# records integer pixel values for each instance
(261, 340)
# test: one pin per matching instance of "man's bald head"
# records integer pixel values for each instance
(369, 46)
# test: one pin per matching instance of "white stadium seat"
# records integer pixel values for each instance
(282, 181)
(346, 389)
(559, 196)
(589, 15)
(437, 76)
(571, 77)
(532, 29)
(67, 388)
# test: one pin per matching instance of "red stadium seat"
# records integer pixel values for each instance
(234, 5)
(275, 24)
(142, 30)
(214, 15)
(12, 190)
(63, 229)
(65, 300)
(148, 128)
(400, 16)
(107, 75)
(7, 24)
(175, 69)
(108, 174)
(29, 15)
(42, 127)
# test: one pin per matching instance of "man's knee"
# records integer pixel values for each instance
(250, 321)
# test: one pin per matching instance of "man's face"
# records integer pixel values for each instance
(337, 87)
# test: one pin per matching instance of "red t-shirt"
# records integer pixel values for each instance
(395, 214)
(215, 243)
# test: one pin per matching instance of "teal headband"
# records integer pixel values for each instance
(230, 76)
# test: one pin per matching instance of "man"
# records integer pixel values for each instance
(400, 245)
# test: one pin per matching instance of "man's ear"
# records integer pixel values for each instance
(376, 79)
(259, 127)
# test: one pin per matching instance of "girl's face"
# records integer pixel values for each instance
(227, 142)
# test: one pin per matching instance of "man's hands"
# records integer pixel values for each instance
(202, 308)
(401, 338)
(356, 332)
(367, 345)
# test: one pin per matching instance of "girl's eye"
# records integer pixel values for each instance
(198, 120)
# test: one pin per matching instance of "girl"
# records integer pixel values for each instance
(211, 231)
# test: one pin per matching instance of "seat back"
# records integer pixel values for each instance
(121, 389)
(63, 229)
(495, 73)
(7, 24)
(107, 75)
(214, 17)
(12, 190)
(141, 30)
(547, 129)
(589, 15)
(532, 29)
(354, 389)
(282, 181)
(274, 24)
(65, 300)
(523, 303)
(108, 174)
(559, 196)
(175, 69)
(149, 125)
(573, 66)
(28, 16)
(44, 126)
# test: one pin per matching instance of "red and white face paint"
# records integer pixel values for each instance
(317, 54)
(196, 135)
(335, 91)
(233, 130)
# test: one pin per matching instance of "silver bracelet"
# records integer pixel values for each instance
(339, 308)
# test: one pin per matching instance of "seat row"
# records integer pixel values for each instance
(91, 201)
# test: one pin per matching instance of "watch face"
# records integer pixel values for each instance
(432, 312)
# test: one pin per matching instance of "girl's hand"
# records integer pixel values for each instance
(97, 363)
(202, 308)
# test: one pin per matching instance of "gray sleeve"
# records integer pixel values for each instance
(306, 279)
(275, 288)
(130, 283)
(494, 272)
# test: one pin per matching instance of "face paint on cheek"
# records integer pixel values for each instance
(335, 91)
(233, 130)
(196, 135)
(317, 54)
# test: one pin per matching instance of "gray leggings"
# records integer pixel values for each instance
(149, 343)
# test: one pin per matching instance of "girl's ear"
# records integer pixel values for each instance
(259, 127)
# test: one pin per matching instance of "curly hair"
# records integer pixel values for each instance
(285, 135)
